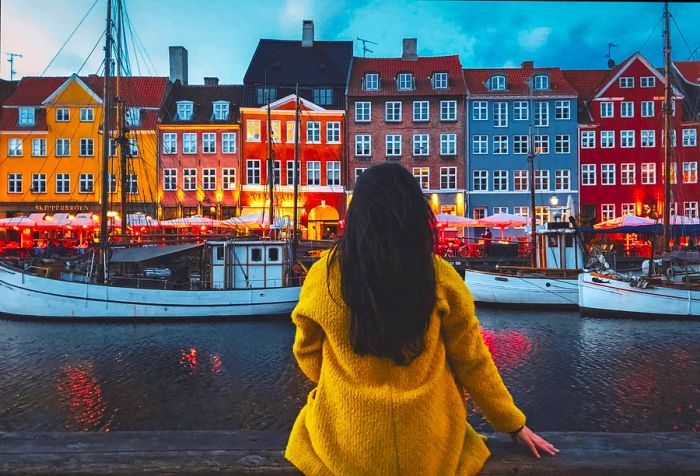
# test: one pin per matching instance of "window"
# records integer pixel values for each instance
(132, 184)
(184, 110)
(313, 173)
(480, 180)
(290, 172)
(421, 144)
(627, 109)
(541, 82)
(277, 172)
(542, 144)
(87, 114)
(38, 183)
(690, 137)
(170, 143)
(392, 111)
(112, 184)
(541, 114)
(626, 139)
(266, 95)
(333, 173)
(323, 96)
(39, 147)
(133, 116)
(291, 130)
(448, 178)
(440, 80)
(626, 82)
(14, 183)
(628, 209)
(542, 214)
(607, 174)
(208, 179)
(690, 172)
(62, 114)
(562, 180)
(500, 114)
(169, 180)
(276, 128)
(647, 108)
(479, 213)
(363, 145)
(253, 172)
(674, 172)
(628, 174)
(62, 183)
(422, 174)
(562, 110)
(648, 138)
(648, 173)
(607, 139)
(497, 210)
(421, 111)
(228, 142)
(189, 143)
(448, 110)
(87, 147)
(607, 109)
(371, 81)
(497, 83)
(588, 174)
(448, 144)
(521, 111)
(62, 147)
(500, 144)
(393, 145)
(405, 82)
(313, 132)
(358, 172)
(363, 112)
(228, 176)
(333, 132)
(133, 148)
(14, 147)
(607, 211)
(252, 127)
(500, 180)
(26, 116)
(562, 144)
(541, 180)
(209, 142)
(480, 144)
(520, 180)
(189, 179)
(690, 209)
(480, 111)
(588, 139)
(87, 183)
(520, 144)
(647, 81)
(220, 110)
(522, 211)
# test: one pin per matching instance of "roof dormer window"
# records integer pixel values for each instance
(540, 82)
(405, 82)
(440, 80)
(497, 83)
(26, 116)
(371, 81)
(220, 110)
(184, 110)
(133, 116)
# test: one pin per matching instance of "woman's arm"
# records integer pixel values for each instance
(307, 345)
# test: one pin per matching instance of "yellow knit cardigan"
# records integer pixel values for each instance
(369, 416)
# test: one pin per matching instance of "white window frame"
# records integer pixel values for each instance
(371, 81)
(500, 114)
(169, 180)
(26, 116)
(448, 110)
(521, 111)
(480, 180)
(86, 183)
(421, 111)
(562, 144)
(480, 144)
(393, 111)
(690, 172)
(521, 144)
(690, 209)
(185, 110)
(169, 143)
(541, 82)
(208, 142)
(422, 174)
(87, 147)
(627, 139)
(220, 110)
(588, 175)
(690, 137)
(626, 82)
(628, 173)
(627, 109)
(648, 138)
(608, 174)
(448, 178)
(313, 132)
(208, 178)
(541, 114)
(562, 110)
(500, 180)
(39, 147)
(362, 140)
(628, 209)
(562, 180)
(448, 144)
(607, 139)
(588, 139)
(14, 182)
(648, 169)
(313, 172)
(228, 142)
(253, 131)
(132, 116)
(542, 179)
(64, 149)
(87, 114)
(607, 109)
(64, 181)
(363, 112)
(252, 172)
(541, 143)
(132, 184)
(38, 183)
(497, 83)
(500, 144)
(405, 82)
(480, 111)
(15, 147)
(333, 132)
(648, 109)
(333, 173)
(189, 179)
(440, 80)
(189, 142)
(607, 211)
(62, 114)
(391, 144)
(647, 81)
(521, 180)
(421, 144)
(228, 178)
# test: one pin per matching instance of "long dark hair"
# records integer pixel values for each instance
(387, 274)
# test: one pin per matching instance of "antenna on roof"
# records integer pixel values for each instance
(366, 50)
(11, 59)
(611, 62)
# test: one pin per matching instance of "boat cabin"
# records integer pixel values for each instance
(558, 247)
(247, 264)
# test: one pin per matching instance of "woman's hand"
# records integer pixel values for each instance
(534, 442)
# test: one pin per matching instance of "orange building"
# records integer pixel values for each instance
(51, 144)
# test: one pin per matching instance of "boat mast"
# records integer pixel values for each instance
(120, 126)
(533, 217)
(295, 240)
(270, 164)
(668, 111)
(106, 108)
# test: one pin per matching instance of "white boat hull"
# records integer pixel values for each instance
(602, 295)
(507, 290)
(27, 295)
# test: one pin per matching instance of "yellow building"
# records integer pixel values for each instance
(51, 145)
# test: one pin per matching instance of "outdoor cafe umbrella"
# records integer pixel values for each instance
(454, 220)
(625, 220)
(256, 220)
(684, 220)
(503, 221)
(194, 221)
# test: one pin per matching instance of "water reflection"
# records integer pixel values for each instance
(190, 361)
(81, 396)
(508, 348)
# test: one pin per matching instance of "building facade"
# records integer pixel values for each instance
(410, 110)
(511, 111)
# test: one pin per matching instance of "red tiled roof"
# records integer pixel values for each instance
(516, 81)
(9, 116)
(587, 81)
(690, 70)
(422, 69)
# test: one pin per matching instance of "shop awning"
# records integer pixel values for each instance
(147, 253)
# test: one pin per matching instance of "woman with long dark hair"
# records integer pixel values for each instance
(388, 332)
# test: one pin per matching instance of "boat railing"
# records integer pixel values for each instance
(208, 285)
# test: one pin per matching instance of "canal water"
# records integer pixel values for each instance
(567, 373)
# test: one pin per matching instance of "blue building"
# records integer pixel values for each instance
(507, 110)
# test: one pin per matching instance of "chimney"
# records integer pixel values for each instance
(307, 34)
(410, 49)
(211, 81)
(178, 64)
(527, 64)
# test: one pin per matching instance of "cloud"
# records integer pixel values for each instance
(535, 38)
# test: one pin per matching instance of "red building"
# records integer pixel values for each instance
(621, 143)
(321, 200)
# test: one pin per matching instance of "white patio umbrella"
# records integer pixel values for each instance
(194, 221)
(503, 221)
(626, 220)
(684, 220)
(454, 220)
(20, 222)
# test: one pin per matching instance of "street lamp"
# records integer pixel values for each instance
(554, 201)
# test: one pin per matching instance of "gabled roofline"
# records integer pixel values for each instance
(680, 73)
(293, 97)
(627, 64)
(73, 77)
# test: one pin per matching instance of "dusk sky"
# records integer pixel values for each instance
(221, 35)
